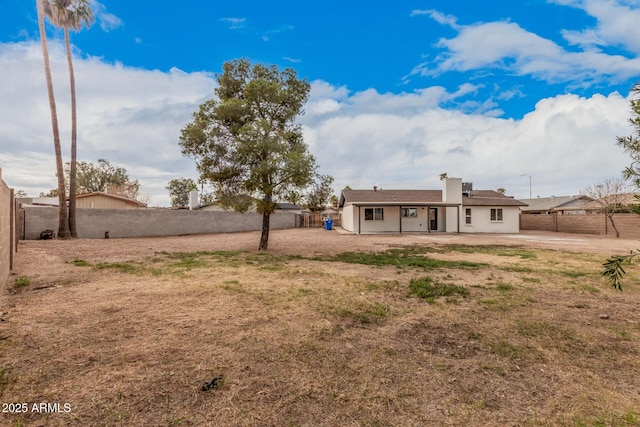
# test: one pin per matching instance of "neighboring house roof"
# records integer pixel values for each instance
(549, 203)
(623, 199)
(424, 197)
(489, 198)
(112, 196)
(330, 211)
(289, 207)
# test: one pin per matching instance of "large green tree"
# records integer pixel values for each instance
(246, 141)
(318, 196)
(63, 226)
(70, 15)
(105, 176)
(179, 190)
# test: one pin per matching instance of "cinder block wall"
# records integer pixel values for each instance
(583, 224)
(628, 224)
(6, 241)
(537, 222)
(93, 223)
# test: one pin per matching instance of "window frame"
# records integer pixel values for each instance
(497, 215)
(376, 214)
(467, 216)
(409, 212)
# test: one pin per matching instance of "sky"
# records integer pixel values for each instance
(525, 95)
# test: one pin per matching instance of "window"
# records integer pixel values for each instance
(374, 214)
(496, 214)
(409, 212)
(467, 216)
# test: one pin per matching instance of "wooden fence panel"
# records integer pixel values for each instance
(317, 220)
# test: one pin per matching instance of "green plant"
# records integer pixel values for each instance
(21, 282)
(613, 269)
(429, 289)
(503, 287)
(80, 263)
(409, 256)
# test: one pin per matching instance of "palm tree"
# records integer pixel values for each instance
(70, 14)
(63, 229)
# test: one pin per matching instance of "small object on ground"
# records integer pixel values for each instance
(604, 316)
(106, 234)
(214, 383)
(47, 235)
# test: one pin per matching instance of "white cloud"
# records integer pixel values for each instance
(439, 17)
(133, 118)
(107, 21)
(507, 46)
(235, 23)
(129, 116)
(565, 144)
(617, 24)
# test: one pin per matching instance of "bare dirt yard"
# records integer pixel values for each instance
(324, 329)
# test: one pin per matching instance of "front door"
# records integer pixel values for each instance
(433, 219)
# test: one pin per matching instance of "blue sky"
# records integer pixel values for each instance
(401, 91)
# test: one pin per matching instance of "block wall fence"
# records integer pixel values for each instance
(8, 238)
(122, 223)
(628, 224)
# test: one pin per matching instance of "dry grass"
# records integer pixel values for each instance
(128, 331)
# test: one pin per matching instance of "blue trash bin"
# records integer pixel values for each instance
(328, 224)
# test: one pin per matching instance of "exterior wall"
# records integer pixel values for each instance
(452, 193)
(93, 223)
(628, 224)
(7, 230)
(421, 222)
(390, 224)
(348, 216)
(102, 202)
(481, 220)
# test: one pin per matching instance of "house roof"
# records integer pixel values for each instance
(489, 198)
(550, 203)
(390, 197)
(111, 196)
(423, 197)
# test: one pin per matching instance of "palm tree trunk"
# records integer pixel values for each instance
(63, 230)
(74, 126)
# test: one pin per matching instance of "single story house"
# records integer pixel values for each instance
(100, 200)
(548, 205)
(447, 210)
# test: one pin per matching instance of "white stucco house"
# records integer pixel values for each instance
(450, 210)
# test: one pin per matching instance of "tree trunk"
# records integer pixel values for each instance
(63, 230)
(74, 132)
(613, 224)
(264, 238)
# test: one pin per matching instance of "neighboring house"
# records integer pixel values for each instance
(330, 211)
(282, 207)
(624, 202)
(446, 210)
(548, 205)
(99, 200)
(37, 201)
(290, 207)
